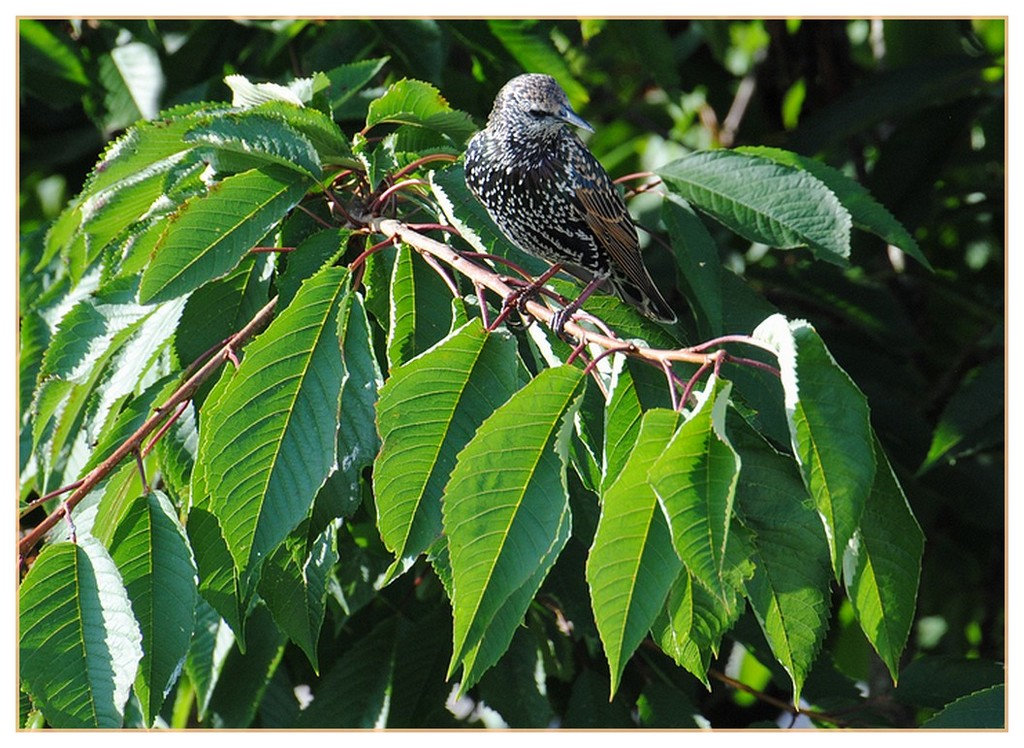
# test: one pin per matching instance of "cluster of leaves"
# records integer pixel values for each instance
(380, 495)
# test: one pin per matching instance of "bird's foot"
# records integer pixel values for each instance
(560, 317)
(513, 307)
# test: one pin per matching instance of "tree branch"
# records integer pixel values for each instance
(482, 276)
(133, 443)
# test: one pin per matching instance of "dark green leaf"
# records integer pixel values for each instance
(269, 441)
(412, 102)
(632, 564)
(354, 693)
(211, 642)
(789, 591)
(981, 710)
(294, 587)
(427, 412)
(209, 235)
(358, 442)
(830, 429)
(266, 139)
(933, 681)
(763, 201)
(695, 481)
(421, 309)
(348, 79)
(244, 677)
(697, 263)
(882, 565)
(501, 511)
(866, 212)
(80, 646)
(691, 626)
(153, 555)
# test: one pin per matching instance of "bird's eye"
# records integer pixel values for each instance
(536, 113)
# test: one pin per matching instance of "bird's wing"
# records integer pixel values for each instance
(605, 214)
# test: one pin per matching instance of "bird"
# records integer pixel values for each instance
(551, 197)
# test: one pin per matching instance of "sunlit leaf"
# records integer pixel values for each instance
(80, 645)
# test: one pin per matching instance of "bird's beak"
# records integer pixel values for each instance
(569, 116)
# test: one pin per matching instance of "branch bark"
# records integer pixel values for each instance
(481, 276)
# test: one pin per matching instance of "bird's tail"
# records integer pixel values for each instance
(644, 296)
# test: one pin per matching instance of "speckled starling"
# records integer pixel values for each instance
(551, 197)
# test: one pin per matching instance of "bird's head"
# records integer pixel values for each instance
(534, 105)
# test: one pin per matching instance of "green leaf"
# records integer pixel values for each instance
(211, 642)
(327, 138)
(690, 627)
(270, 439)
(763, 201)
(209, 235)
(110, 214)
(358, 442)
(697, 264)
(632, 564)
(663, 706)
(507, 619)
(981, 710)
(882, 565)
(590, 709)
(514, 686)
(412, 102)
(80, 646)
(294, 587)
(789, 591)
(315, 251)
(355, 692)
(891, 94)
(90, 332)
(218, 581)
(348, 79)
(51, 66)
(418, 688)
(973, 417)
(829, 427)
(621, 425)
(244, 677)
(134, 83)
(428, 410)
(155, 560)
(33, 341)
(220, 308)
(695, 481)
(866, 212)
(421, 309)
(506, 502)
(265, 139)
(932, 681)
(141, 147)
(525, 40)
(245, 94)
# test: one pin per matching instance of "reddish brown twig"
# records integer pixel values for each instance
(165, 427)
(52, 495)
(777, 703)
(413, 165)
(383, 198)
(314, 216)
